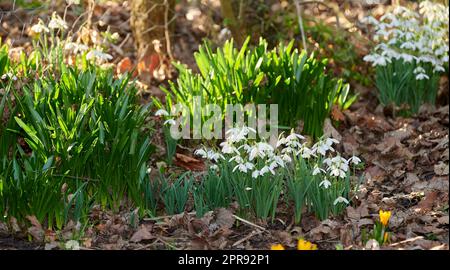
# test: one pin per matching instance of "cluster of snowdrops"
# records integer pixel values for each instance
(315, 177)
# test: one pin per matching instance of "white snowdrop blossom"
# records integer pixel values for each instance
(260, 149)
(244, 167)
(325, 183)
(307, 153)
(355, 160)
(161, 112)
(337, 166)
(39, 27)
(57, 22)
(98, 55)
(170, 122)
(341, 200)
(228, 148)
(422, 76)
(323, 146)
(237, 134)
(201, 152)
(318, 170)
(75, 47)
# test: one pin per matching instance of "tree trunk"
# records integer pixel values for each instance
(234, 23)
(150, 21)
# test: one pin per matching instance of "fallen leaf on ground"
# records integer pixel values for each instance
(141, 234)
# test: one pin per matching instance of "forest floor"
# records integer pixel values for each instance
(406, 172)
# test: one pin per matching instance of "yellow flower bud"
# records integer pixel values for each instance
(384, 217)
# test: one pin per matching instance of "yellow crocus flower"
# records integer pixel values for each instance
(277, 247)
(306, 245)
(384, 217)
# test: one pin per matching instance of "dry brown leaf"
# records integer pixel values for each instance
(125, 65)
(443, 220)
(375, 174)
(330, 131)
(224, 218)
(336, 113)
(142, 234)
(189, 163)
(427, 203)
(441, 169)
(36, 229)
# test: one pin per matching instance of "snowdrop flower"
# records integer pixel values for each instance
(355, 160)
(214, 156)
(201, 152)
(341, 200)
(307, 153)
(214, 167)
(265, 170)
(408, 45)
(325, 184)
(337, 166)
(419, 70)
(286, 158)
(323, 146)
(161, 112)
(57, 22)
(39, 27)
(438, 69)
(278, 160)
(317, 170)
(331, 141)
(208, 154)
(294, 137)
(238, 134)
(170, 122)
(237, 159)
(244, 167)
(228, 148)
(370, 58)
(99, 55)
(422, 76)
(75, 47)
(241, 168)
(260, 149)
(407, 58)
(255, 174)
(381, 61)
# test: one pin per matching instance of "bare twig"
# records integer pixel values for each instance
(253, 233)
(249, 223)
(166, 30)
(168, 216)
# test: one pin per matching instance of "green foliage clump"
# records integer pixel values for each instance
(296, 82)
(70, 142)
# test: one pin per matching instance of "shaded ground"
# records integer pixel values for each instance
(407, 167)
